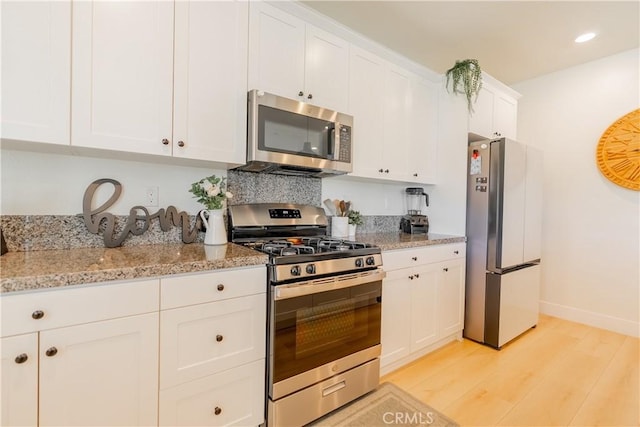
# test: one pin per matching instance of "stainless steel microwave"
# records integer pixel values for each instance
(290, 137)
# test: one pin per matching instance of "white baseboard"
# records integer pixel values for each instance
(598, 320)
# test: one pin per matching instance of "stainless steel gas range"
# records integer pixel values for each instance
(324, 309)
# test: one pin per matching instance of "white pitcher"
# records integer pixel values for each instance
(214, 224)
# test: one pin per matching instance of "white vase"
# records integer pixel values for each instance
(339, 226)
(352, 230)
(214, 224)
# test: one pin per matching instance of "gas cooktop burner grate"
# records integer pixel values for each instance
(305, 246)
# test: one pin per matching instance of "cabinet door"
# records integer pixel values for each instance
(276, 51)
(423, 128)
(396, 316)
(481, 119)
(424, 305)
(326, 69)
(210, 105)
(366, 104)
(207, 338)
(450, 296)
(505, 116)
(102, 373)
(36, 71)
(122, 75)
(396, 132)
(19, 378)
(234, 397)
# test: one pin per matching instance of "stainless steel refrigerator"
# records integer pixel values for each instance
(504, 198)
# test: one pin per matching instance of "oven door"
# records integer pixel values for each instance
(322, 327)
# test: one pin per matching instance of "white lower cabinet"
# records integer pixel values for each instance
(212, 348)
(422, 302)
(234, 397)
(19, 377)
(97, 368)
(102, 373)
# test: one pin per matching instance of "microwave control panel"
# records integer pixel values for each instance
(344, 152)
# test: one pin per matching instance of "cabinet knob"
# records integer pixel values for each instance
(219, 338)
(38, 314)
(445, 269)
(310, 96)
(415, 174)
(300, 93)
(415, 258)
(380, 170)
(456, 252)
(21, 358)
(386, 171)
(180, 143)
(411, 277)
(220, 287)
(165, 141)
(51, 351)
(217, 410)
(417, 276)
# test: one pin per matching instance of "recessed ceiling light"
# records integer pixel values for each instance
(585, 37)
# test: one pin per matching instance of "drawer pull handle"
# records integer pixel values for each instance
(217, 410)
(456, 252)
(219, 338)
(415, 258)
(445, 269)
(38, 314)
(21, 358)
(51, 351)
(221, 287)
(333, 388)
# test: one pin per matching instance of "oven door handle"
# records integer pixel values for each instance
(342, 281)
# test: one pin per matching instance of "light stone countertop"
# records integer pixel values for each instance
(21, 271)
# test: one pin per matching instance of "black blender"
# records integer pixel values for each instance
(414, 221)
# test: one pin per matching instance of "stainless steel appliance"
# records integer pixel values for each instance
(324, 302)
(290, 137)
(414, 221)
(504, 198)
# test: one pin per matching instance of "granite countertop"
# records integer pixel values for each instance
(399, 240)
(20, 271)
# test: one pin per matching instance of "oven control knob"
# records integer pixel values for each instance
(359, 262)
(295, 270)
(371, 260)
(311, 269)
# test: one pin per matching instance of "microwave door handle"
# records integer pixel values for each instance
(331, 141)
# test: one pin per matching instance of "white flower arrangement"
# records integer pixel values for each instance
(210, 191)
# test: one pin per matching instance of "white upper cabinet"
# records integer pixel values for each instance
(36, 71)
(495, 112)
(123, 76)
(131, 94)
(210, 83)
(294, 59)
(395, 120)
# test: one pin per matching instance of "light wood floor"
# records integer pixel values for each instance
(558, 374)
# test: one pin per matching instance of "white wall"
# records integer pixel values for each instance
(591, 227)
(54, 184)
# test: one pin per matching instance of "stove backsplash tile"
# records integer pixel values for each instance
(249, 187)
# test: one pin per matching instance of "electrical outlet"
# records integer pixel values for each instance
(151, 196)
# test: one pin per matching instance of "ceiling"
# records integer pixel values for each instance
(512, 40)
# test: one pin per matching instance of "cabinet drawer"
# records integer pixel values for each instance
(403, 258)
(208, 338)
(76, 305)
(214, 286)
(231, 398)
